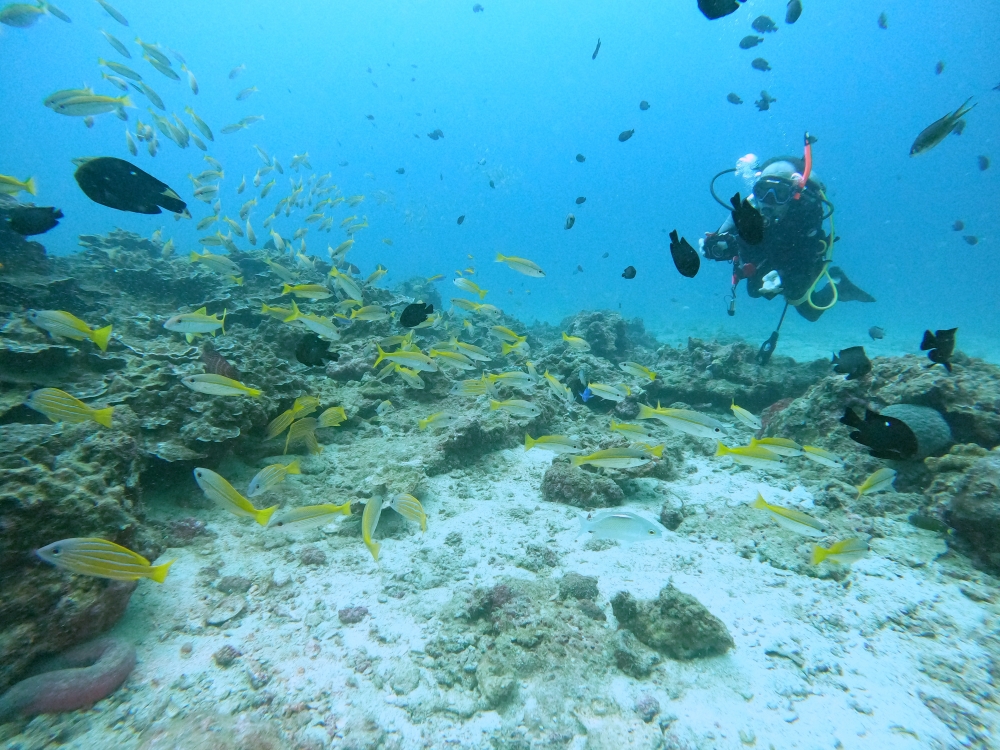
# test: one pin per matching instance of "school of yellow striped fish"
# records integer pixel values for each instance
(324, 303)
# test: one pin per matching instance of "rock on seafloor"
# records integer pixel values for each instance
(565, 483)
(675, 624)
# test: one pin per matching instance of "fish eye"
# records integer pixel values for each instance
(56, 551)
(652, 532)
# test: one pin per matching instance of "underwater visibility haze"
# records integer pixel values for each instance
(439, 374)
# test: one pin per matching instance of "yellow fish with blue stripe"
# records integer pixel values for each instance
(92, 556)
(222, 493)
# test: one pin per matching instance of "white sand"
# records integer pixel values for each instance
(817, 663)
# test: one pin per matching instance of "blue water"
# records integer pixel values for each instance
(515, 86)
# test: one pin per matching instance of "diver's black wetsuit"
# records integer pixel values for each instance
(793, 246)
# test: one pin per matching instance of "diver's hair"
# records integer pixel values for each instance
(795, 161)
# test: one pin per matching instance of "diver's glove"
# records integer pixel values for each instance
(771, 285)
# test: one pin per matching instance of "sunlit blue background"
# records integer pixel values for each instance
(515, 86)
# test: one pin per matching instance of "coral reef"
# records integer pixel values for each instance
(565, 483)
(967, 498)
(675, 624)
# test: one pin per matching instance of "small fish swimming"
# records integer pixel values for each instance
(516, 407)
(750, 455)
(822, 457)
(610, 392)
(13, 186)
(309, 516)
(790, 519)
(270, 476)
(596, 49)
(750, 41)
(764, 25)
(876, 333)
(746, 417)
(733, 98)
(409, 508)
(470, 286)
(620, 525)
(59, 406)
(886, 437)
(437, 419)
(879, 481)
(637, 370)
(303, 431)
(576, 342)
(113, 12)
(846, 552)
(759, 63)
(631, 431)
(307, 291)
(685, 257)
(684, 420)
(616, 458)
(781, 446)
(748, 220)
(624, 136)
(67, 325)
(853, 362)
(222, 493)
(416, 360)
(521, 265)
(218, 385)
(197, 322)
(939, 346)
(570, 221)
(558, 444)
(938, 130)
(332, 417)
(369, 522)
(91, 556)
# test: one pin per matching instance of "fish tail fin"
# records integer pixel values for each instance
(381, 352)
(657, 450)
(224, 319)
(100, 337)
(296, 314)
(103, 416)
(126, 102)
(194, 256)
(159, 572)
(494, 404)
(293, 467)
(646, 412)
(528, 441)
(819, 554)
(263, 516)
(578, 460)
(565, 337)
(374, 548)
(506, 348)
(721, 450)
(760, 503)
(346, 508)
(263, 308)
(500, 258)
(285, 289)
(254, 392)
(860, 491)
(31, 186)
(482, 293)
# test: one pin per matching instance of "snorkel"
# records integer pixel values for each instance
(807, 160)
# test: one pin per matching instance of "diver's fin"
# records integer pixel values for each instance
(847, 291)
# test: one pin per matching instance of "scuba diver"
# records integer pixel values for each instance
(775, 241)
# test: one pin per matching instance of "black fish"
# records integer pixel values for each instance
(793, 11)
(643, 105)
(941, 345)
(31, 220)
(625, 135)
(596, 49)
(629, 273)
(415, 314)
(876, 332)
(886, 437)
(749, 221)
(570, 221)
(764, 103)
(970, 239)
(581, 200)
(883, 20)
(581, 158)
(461, 219)
(750, 41)
(492, 184)
(958, 226)
(852, 362)
(401, 170)
(314, 351)
(477, 8)
(984, 163)
(764, 25)
(713, 9)
(117, 184)
(579, 269)
(734, 98)
(605, 255)
(939, 68)
(685, 257)
(759, 63)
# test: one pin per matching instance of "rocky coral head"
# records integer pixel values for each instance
(489, 603)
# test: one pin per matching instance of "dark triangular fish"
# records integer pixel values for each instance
(314, 351)
(32, 220)
(941, 345)
(118, 184)
(713, 9)
(793, 11)
(415, 314)
(852, 362)
(216, 364)
(685, 257)
(748, 220)
(886, 437)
